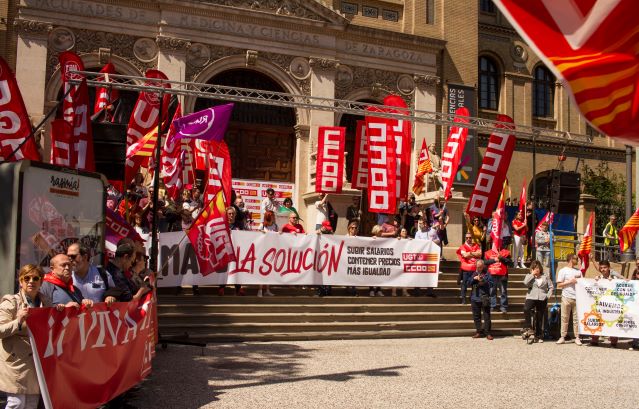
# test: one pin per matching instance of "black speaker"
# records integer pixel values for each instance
(565, 188)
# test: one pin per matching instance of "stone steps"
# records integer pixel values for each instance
(296, 313)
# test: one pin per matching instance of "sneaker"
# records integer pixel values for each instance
(561, 340)
(578, 342)
(268, 293)
(477, 335)
(489, 337)
(220, 291)
(504, 310)
(380, 293)
(371, 294)
(259, 293)
(541, 340)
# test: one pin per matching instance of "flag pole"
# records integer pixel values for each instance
(156, 188)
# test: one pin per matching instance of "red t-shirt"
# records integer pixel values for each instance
(517, 224)
(468, 263)
(292, 228)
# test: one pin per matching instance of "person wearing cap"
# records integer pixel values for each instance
(120, 269)
(17, 369)
(58, 286)
(269, 202)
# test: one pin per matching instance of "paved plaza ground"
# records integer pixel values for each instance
(393, 373)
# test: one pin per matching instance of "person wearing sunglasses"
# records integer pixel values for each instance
(95, 283)
(17, 369)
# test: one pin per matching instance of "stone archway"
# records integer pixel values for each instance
(261, 138)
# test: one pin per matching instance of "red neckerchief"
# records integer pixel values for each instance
(53, 279)
(128, 274)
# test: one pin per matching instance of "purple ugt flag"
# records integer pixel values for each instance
(209, 124)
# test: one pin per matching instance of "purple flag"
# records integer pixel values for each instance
(117, 228)
(209, 124)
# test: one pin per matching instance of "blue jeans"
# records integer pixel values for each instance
(500, 282)
(464, 282)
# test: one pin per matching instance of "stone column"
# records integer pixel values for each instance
(31, 65)
(172, 57)
(323, 72)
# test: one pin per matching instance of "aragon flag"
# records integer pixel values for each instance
(628, 232)
(585, 248)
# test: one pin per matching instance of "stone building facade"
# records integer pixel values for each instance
(355, 50)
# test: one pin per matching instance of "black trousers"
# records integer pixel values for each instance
(478, 308)
(539, 306)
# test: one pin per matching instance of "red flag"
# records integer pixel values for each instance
(453, 151)
(628, 232)
(522, 201)
(330, 159)
(574, 39)
(424, 166)
(62, 143)
(402, 135)
(173, 158)
(210, 235)
(498, 220)
(549, 217)
(219, 171)
(75, 110)
(14, 120)
(105, 96)
(144, 118)
(493, 171)
(381, 166)
(360, 160)
(586, 246)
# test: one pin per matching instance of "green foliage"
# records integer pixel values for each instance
(609, 188)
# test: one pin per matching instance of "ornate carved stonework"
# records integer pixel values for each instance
(405, 84)
(61, 39)
(251, 57)
(198, 55)
(32, 27)
(280, 7)
(172, 43)
(299, 68)
(344, 76)
(427, 80)
(87, 41)
(323, 64)
(145, 49)
(379, 82)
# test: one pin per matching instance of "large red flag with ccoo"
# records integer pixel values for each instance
(593, 46)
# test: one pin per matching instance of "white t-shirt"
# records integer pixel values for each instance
(422, 235)
(568, 273)
(322, 212)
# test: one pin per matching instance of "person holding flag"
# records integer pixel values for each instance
(520, 232)
(585, 248)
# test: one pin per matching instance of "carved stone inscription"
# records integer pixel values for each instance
(245, 30)
(90, 9)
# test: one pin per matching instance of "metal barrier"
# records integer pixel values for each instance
(567, 246)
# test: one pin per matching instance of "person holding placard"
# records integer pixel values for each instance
(566, 279)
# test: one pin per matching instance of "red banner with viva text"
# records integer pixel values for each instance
(452, 153)
(493, 171)
(330, 159)
(85, 358)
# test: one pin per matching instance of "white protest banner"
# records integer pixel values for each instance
(254, 191)
(608, 307)
(288, 259)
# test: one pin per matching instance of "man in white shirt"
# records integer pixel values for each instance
(269, 203)
(322, 210)
(566, 279)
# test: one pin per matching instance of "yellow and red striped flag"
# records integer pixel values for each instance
(628, 232)
(424, 166)
(143, 146)
(586, 246)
